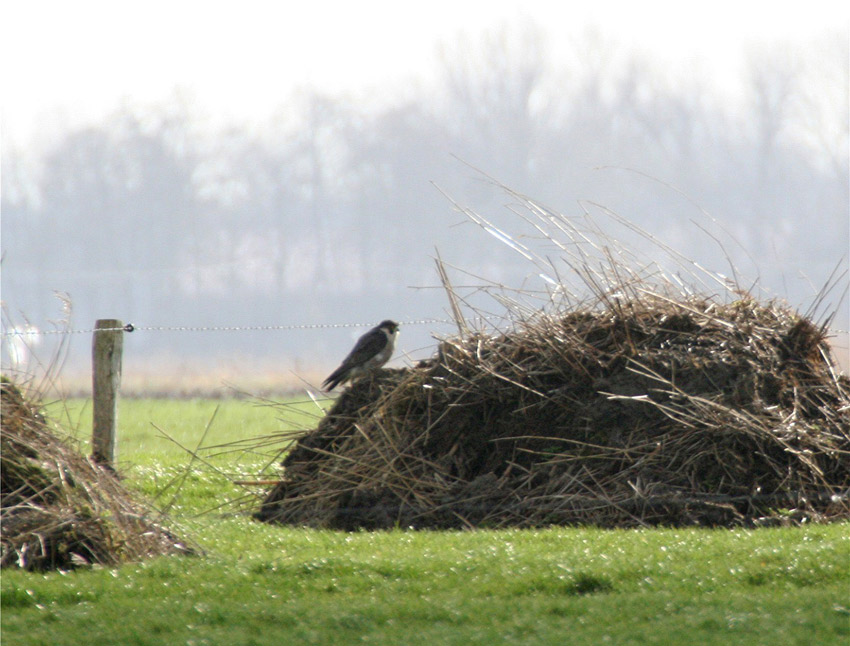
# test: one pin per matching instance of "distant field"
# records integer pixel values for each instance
(154, 430)
(161, 380)
(228, 378)
(261, 584)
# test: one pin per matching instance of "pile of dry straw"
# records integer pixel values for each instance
(61, 510)
(642, 405)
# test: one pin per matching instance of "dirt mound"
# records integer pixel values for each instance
(652, 412)
(58, 509)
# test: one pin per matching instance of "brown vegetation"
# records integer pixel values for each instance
(642, 413)
(58, 509)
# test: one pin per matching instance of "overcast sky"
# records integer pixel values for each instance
(66, 63)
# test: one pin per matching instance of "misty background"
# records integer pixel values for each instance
(332, 210)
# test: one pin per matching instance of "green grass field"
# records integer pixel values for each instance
(260, 584)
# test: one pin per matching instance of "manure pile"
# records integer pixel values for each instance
(653, 412)
(59, 510)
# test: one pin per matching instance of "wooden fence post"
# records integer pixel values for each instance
(107, 346)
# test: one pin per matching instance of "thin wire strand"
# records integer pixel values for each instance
(129, 327)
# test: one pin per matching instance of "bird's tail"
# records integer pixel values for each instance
(335, 378)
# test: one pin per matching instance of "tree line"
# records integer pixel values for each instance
(334, 204)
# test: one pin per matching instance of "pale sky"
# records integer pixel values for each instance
(67, 63)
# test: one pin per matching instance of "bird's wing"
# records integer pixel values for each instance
(367, 346)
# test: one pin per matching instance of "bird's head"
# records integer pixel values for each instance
(390, 326)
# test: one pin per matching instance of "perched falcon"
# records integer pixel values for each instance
(371, 351)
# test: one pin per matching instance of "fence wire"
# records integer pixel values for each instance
(129, 327)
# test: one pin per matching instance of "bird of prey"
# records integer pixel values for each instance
(371, 351)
